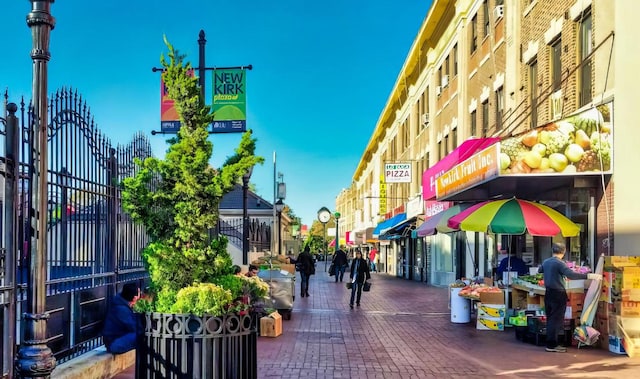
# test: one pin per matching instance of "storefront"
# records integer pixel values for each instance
(565, 165)
(443, 256)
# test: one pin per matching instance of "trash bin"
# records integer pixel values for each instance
(281, 289)
(460, 307)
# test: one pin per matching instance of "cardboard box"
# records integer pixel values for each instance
(574, 284)
(492, 297)
(630, 342)
(490, 323)
(291, 268)
(492, 310)
(271, 325)
(621, 261)
(630, 309)
(632, 294)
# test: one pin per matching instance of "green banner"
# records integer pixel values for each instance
(229, 101)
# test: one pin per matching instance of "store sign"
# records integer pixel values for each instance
(578, 145)
(397, 172)
(475, 170)
(383, 196)
(433, 207)
(414, 207)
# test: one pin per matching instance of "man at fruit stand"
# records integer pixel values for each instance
(555, 270)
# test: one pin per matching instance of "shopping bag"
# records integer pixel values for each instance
(349, 285)
(366, 287)
(332, 270)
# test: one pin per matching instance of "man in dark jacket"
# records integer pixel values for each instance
(555, 270)
(340, 263)
(307, 268)
(359, 275)
(120, 327)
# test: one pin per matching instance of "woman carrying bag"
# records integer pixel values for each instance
(359, 275)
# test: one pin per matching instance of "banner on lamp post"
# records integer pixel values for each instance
(169, 118)
(229, 101)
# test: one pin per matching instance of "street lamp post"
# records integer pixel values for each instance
(337, 245)
(279, 208)
(245, 216)
(35, 359)
(324, 215)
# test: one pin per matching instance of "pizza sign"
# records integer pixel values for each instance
(397, 172)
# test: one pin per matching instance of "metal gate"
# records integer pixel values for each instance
(92, 245)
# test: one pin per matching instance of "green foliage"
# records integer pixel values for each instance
(201, 299)
(233, 283)
(143, 306)
(176, 199)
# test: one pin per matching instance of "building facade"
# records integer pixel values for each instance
(484, 72)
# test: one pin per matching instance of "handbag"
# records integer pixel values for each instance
(366, 287)
(349, 285)
(332, 270)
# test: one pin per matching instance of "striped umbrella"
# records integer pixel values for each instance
(514, 216)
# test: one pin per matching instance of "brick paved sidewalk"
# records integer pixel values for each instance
(403, 330)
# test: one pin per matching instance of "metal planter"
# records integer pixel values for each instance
(179, 346)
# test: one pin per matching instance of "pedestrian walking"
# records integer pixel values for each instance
(340, 263)
(359, 275)
(555, 270)
(372, 258)
(306, 268)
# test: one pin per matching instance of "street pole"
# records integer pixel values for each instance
(201, 63)
(245, 220)
(324, 239)
(35, 359)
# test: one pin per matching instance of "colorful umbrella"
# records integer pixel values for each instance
(514, 216)
(438, 222)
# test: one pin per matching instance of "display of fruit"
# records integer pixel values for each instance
(514, 148)
(580, 143)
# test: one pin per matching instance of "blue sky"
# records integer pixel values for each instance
(323, 71)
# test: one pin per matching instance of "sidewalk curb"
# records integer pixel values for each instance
(96, 364)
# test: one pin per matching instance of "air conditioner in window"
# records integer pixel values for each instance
(425, 118)
(498, 11)
(438, 90)
(445, 80)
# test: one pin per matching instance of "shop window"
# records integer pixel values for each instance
(585, 58)
(454, 138)
(474, 33)
(446, 145)
(556, 64)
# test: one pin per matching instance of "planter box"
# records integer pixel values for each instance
(179, 346)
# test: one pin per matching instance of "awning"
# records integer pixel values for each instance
(459, 154)
(399, 230)
(437, 222)
(389, 223)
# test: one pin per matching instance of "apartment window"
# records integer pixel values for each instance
(440, 76)
(446, 145)
(440, 156)
(499, 107)
(556, 64)
(454, 138)
(585, 52)
(474, 124)
(405, 135)
(533, 92)
(446, 68)
(426, 161)
(485, 118)
(455, 59)
(485, 10)
(474, 33)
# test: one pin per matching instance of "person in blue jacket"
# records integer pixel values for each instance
(120, 327)
(517, 264)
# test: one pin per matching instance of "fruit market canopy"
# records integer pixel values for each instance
(573, 152)
(514, 216)
(459, 154)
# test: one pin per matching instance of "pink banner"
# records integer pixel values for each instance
(462, 152)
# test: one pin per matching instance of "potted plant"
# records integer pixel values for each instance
(192, 317)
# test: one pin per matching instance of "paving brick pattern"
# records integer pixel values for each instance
(402, 330)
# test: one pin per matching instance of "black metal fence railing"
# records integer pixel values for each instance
(92, 246)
